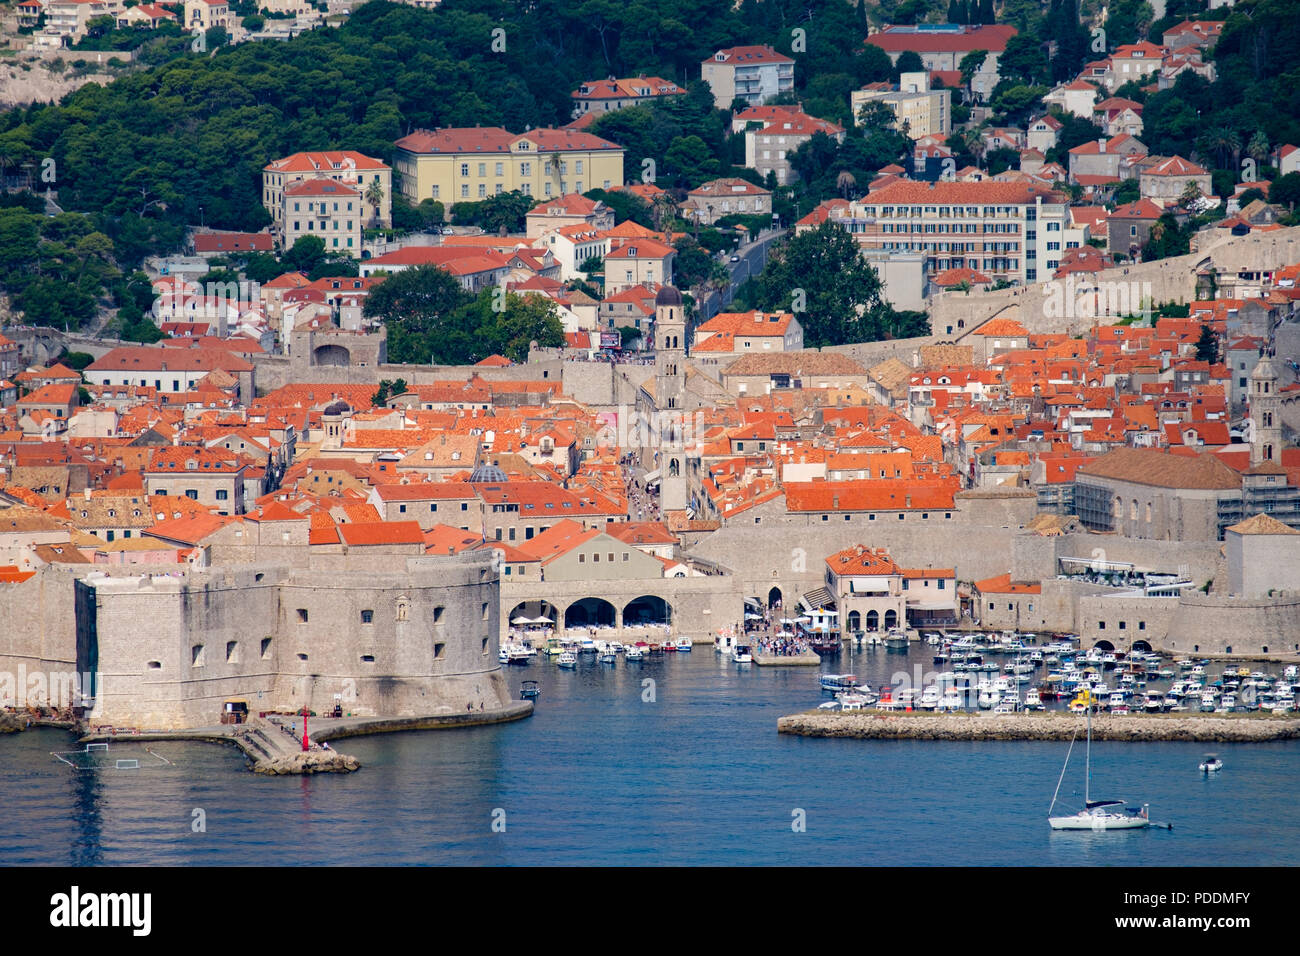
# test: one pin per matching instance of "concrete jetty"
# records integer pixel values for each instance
(269, 748)
(272, 750)
(1210, 728)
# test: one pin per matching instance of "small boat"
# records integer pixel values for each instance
(503, 656)
(634, 654)
(684, 645)
(609, 657)
(896, 638)
(529, 690)
(742, 654)
(1211, 764)
(568, 660)
(838, 681)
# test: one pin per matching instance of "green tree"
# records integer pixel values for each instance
(307, 253)
(1207, 346)
(418, 307)
(840, 294)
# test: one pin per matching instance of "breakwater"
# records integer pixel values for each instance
(865, 725)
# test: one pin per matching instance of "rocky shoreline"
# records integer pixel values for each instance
(1042, 726)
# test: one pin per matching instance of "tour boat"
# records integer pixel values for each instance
(896, 638)
(837, 681)
(1211, 764)
(1096, 814)
(741, 654)
(568, 660)
(529, 689)
(950, 700)
(1033, 699)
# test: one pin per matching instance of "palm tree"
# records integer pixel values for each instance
(1257, 148)
(374, 195)
(664, 210)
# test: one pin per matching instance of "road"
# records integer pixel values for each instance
(753, 257)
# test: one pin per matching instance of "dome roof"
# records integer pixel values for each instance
(487, 473)
(667, 295)
(337, 408)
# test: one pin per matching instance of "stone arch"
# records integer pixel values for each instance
(891, 619)
(1103, 646)
(533, 610)
(854, 621)
(1142, 646)
(333, 355)
(588, 611)
(774, 597)
(647, 609)
(873, 620)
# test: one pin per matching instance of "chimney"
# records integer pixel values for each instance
(86, 492)
(1101, 146)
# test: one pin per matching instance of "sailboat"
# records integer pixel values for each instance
(1096, 814)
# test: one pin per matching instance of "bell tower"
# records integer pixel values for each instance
(1265, 414)
(670, 398)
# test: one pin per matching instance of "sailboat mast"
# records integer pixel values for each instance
(1087, 760)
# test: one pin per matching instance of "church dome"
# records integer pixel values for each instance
(667, 295)
(487, 473)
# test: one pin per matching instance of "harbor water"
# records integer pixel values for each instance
(673, 761)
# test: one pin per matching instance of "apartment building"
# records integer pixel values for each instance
(942, 46)
(1010, 231)
(710, 201)
(918, 110)
(602, 96)
(460, 165)
(773, 133)
(321, 207)
(754, 74)
(366, 199)
(206, 14)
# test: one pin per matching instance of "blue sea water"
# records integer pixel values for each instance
(600, 775)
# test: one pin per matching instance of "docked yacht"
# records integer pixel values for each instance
(742, 654)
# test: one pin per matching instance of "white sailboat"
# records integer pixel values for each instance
(1096, 814)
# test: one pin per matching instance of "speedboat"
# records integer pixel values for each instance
(530, 689)
(742, 654)
(568, 660)
(1211, 764)
(683, 644)
(634, 653)
(503, 656)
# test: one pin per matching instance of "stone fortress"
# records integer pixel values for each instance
(395, 636)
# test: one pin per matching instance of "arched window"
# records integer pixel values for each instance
(1133, 510)
(673, 468)
(855, 621)
(1148, 512)
(873, 620)
(891, 618)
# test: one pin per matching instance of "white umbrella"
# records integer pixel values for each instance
(521, 620)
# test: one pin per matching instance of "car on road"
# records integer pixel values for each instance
(735, 258)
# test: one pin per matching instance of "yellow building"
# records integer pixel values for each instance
(468, 165)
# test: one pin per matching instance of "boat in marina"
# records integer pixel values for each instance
(634, 654)
(837, 681)
(530, 689)
(896, 638)
(742, 654)
(1096, 814)
(683, 644)
(567, 660)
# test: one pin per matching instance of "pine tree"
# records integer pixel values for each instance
(986, 14)
(956, 13)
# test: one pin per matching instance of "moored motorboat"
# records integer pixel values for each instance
(742, 654)
(567, 660)
(1211, 764)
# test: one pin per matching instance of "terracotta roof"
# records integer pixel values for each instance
(381, 532)
(1262, 524)
(1002, 584)
(1148, 466)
